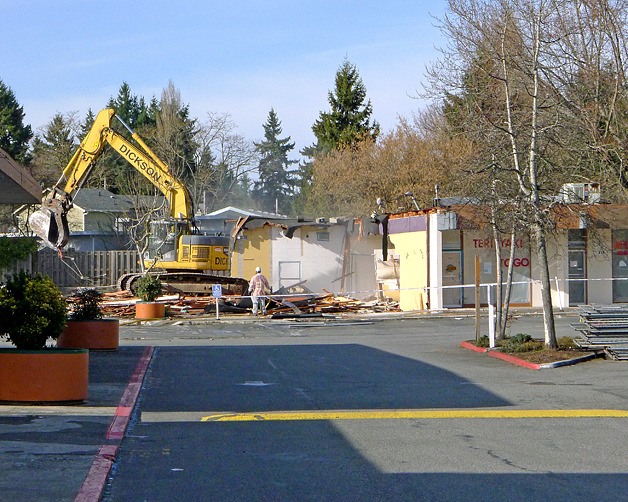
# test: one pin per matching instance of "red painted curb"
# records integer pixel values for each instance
(474, 348)
(97, 476)
(500, 355)
(94, 483)
(514, 360)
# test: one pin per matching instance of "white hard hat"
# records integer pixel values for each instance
(258, 269)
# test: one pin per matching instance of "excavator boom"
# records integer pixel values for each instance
(50, 222)
(180, 256)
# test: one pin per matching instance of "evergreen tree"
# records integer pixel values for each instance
(349, 121)
(133, 109)
(14, 135)
(276, 182)
(345, 126)
(53, 148)
(113, 172)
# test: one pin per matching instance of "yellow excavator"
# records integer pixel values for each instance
(182, 258)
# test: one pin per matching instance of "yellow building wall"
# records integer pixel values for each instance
(252, 250)
(413, 266)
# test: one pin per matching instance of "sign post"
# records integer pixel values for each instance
(477, 298)
(217, 293)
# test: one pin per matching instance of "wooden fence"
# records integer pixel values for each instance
(86, 268)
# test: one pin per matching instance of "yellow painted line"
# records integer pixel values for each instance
(412, 414)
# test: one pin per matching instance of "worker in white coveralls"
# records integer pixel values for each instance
(258, 288)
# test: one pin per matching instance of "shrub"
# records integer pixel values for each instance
(566, 343)
(529, 346)
(482, 341)
(148, 287)
(13, 249)
(520, 338)
(32, 310)
(85, 305)
(521, 343)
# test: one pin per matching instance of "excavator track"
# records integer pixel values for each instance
(189, 283)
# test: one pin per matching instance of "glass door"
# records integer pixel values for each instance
(577, 276)
(452, 276)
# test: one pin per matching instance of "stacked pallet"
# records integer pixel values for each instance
(604, 327)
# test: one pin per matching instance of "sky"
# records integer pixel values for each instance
(240, 57)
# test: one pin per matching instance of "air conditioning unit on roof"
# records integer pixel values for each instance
(579, 193)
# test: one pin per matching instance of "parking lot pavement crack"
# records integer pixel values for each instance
(505, 461)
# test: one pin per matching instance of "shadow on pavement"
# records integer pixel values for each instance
(316, 460)
(304, 377)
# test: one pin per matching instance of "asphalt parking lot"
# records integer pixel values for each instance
(372, 408)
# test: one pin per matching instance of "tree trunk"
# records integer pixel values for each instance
(508, 292)
(498, 276)
(546, 288)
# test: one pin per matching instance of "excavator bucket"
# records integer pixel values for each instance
(50, 224)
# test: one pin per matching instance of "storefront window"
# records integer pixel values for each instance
(620, 266)
(485, 249)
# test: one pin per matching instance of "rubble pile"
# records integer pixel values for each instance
(122, 304)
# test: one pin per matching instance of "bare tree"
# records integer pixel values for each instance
(224, 161)
(409, 159)
(507, 46)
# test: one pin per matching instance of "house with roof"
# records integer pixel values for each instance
(98, 220)
(94, 220)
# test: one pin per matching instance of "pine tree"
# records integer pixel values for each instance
(275, 186)
(345, 126)
(14, 135)
(349, 121)
(112, 171)
(53, 148)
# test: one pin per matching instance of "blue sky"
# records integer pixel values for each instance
(237, 57)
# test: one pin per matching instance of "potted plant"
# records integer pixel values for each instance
(86, 327)
(148, 288)
(33, 310)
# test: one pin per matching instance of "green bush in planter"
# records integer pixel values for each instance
(32, 310)
(85, 305)
(148, 287)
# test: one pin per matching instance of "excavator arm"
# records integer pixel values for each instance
(50, 223)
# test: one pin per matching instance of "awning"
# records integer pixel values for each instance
(17, 186)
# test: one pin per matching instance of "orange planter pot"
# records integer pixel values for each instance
(150, 310)
(96, 334)
(44, 376)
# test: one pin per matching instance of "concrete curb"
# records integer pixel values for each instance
(94, 483)
(526, 364)
(474, 348)
(513, 360)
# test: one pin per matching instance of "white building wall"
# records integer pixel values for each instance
(435, 246)
(557, 257)
(319, 261)
(360, 282)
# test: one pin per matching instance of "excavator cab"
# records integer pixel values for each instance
(173, 247)
(163, 240)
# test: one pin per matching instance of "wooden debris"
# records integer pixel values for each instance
(122, 304)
